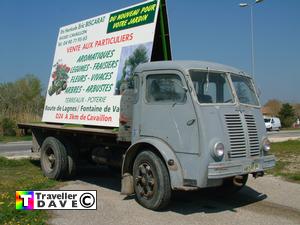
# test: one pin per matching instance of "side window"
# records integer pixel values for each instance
(164, 88)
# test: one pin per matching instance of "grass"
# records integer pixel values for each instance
(21, 175)
(287, 160)
(6, 139)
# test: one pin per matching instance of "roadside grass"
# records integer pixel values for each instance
(20, 175)
(6, 139)
(287, 160)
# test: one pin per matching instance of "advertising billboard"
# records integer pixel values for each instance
(92, 59)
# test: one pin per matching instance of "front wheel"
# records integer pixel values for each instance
(151, 181)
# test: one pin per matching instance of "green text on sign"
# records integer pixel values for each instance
(133, 17)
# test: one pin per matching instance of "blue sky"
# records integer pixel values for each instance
(211, 30)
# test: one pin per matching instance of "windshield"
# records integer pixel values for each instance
(211, 87)
(244, 89)
(267, 120)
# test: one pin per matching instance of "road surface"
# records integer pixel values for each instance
(278, 136)
(267, 200)
(16, 149)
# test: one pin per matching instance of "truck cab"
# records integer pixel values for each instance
(202, 120)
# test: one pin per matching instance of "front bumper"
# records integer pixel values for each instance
(219, 170)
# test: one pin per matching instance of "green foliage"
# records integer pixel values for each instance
(21, 101)
(60, 77)
(287, 115)
(287, 160)
(139, 55)
(8, 127)
(297, 109)
(21, 175)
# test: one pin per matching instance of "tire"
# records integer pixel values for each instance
(151, 181)
(72, 154)
(228, 187)
(54, 158)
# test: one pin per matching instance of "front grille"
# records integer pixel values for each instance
(236, 136)
(252, 134)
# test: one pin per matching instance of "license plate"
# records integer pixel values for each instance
(251, 168)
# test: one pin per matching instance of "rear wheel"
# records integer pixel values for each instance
(72, 154)
(151, 181)
(54, 159)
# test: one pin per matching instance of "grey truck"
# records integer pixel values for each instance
(184, 125)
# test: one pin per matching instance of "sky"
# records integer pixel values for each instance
(210, 30)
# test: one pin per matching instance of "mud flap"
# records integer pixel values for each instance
(127, 184)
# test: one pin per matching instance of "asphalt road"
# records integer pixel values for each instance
(16, 149)
(284, 133)
(278, 136)
(267, 200)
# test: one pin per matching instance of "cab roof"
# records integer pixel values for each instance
(185, 66)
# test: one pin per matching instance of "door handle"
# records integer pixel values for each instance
(190, 122)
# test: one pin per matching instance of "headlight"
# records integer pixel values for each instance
(218, 150)
(266, 145)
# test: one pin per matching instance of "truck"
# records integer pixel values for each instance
(183, 125)
(272, 123)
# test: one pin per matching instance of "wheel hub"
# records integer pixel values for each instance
(145, 181)
(50, 159)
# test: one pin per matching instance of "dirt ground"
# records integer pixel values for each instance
(266, 200)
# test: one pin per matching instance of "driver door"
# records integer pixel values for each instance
(167, 111)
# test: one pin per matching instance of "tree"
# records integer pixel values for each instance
(21, 101)
(139, 55)
(297, 109)
(287, 115)
(273, 107)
